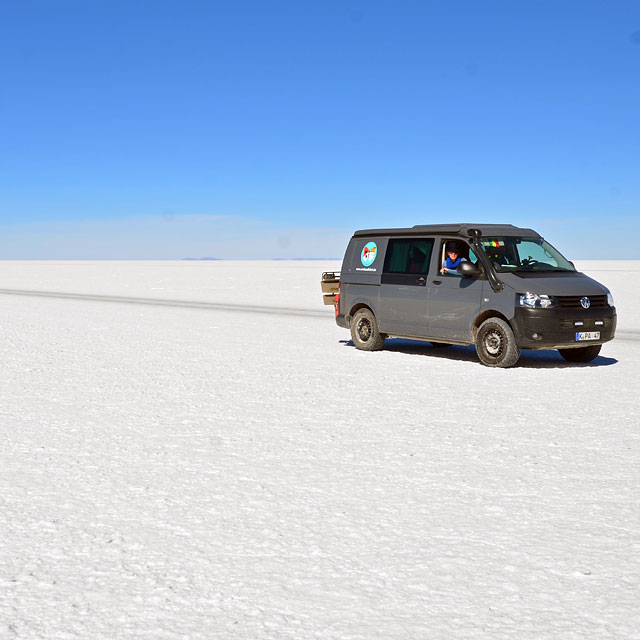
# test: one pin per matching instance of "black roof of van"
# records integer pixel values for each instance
(460, 229)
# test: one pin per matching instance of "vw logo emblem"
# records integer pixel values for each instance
(585, 302)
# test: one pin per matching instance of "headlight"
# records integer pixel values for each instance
(537, 301)
(610, 299)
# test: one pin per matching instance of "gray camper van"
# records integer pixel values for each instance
(499, 287)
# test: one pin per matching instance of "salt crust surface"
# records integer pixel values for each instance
(171, 472)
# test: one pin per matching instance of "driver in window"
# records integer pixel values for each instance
(453, 259)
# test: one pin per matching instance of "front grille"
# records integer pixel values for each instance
(573, 302)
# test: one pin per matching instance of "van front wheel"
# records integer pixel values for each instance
(364, 331)
(496, 345)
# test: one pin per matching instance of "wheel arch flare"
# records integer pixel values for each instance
(485, 315)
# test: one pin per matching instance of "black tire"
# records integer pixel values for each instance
(364, 331)
(496, 345)
(581, 354)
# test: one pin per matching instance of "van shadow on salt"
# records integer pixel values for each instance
(530, 359)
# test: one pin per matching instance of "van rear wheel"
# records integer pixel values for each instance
(496, 345)
(581, 354)
(364, 331)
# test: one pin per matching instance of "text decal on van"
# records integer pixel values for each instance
(369, 253)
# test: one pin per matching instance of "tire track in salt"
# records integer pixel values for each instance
(161, 302)
(215, 306)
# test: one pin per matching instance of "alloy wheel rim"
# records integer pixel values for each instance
(364, 330)
(494, 343)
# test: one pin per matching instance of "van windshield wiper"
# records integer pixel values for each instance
(537, 269)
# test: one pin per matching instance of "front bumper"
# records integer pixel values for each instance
(556, 328)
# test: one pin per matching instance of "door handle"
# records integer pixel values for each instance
(437, 282)
(421, 281)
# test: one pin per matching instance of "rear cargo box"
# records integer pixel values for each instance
(330, 286)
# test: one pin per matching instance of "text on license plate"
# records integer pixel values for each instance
(587, 335)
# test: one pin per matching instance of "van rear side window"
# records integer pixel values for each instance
(411, 255)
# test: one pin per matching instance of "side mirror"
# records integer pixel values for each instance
(468, 269)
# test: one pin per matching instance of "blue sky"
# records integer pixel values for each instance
(275, 128)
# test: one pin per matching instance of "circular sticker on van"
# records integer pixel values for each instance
(369, 253)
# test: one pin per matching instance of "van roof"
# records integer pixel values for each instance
(460, 229)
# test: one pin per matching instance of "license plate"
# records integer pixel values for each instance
(587, 335)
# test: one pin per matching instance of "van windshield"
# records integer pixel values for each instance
(510, 253)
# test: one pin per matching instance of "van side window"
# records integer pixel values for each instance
(452, 252)
(408, 255)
